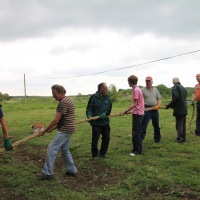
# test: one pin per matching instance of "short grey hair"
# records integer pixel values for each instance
(176, 80)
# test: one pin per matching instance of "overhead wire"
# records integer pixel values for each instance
(122, 68)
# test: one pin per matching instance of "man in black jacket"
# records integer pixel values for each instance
(179, 105)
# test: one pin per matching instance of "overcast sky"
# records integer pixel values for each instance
(72, 42)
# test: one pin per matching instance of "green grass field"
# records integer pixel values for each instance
(167, 170)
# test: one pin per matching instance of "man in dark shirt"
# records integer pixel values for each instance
(179, 105)
(99, 104)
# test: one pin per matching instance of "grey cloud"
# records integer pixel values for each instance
(36, 18)
(81, 47)
(58, 50)
(78, 47)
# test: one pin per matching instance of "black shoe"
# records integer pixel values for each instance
(70, 174)
(43, 176)
(180, 140)
(157, 141)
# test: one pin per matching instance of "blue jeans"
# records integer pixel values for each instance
(60, 141)
(154, 116)
(197, 131)
(136, 133)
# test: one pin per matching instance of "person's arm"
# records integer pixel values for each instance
(52, 124)
(7, 143)
(158, 104)
(130, 108)
(4, 128)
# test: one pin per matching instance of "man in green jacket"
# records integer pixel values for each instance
(179, 105)
(100, 105)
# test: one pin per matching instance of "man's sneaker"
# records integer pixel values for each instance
(70, 174)
(180, 140)
(43, 176)
(132, 154)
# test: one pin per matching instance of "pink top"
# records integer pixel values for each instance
(137, 95)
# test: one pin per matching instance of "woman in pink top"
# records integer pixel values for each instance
(137, 109)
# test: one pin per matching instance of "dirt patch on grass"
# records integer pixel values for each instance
(92, 174)
(176, 193)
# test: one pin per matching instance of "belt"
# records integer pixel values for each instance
(148, 106)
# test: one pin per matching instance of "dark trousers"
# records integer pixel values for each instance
(96, 132)
(181, 127)
(154, 116)
(136, 133)
(197, 131)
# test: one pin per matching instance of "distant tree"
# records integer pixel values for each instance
(79, 96)
(164, 90)
(190, 92)
(4, 96)
(1, 96)
(124, 93)
(112, 92)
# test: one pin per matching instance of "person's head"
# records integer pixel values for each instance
(132, 80)
(58, 92)
(198, 77)
(149, 81)
(102, 89)
(175, 80)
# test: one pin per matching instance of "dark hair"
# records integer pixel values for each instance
(100, 86)
(59, 89)
(133, 79)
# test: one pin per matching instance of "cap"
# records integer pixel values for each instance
(148, 78)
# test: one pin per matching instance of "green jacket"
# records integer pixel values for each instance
(96, 106)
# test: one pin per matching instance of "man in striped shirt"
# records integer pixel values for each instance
(64, 120)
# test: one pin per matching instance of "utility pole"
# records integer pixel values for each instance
(24, 88)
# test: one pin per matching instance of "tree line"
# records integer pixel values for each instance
(122, 94)
(165, 92)
(4, 96)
